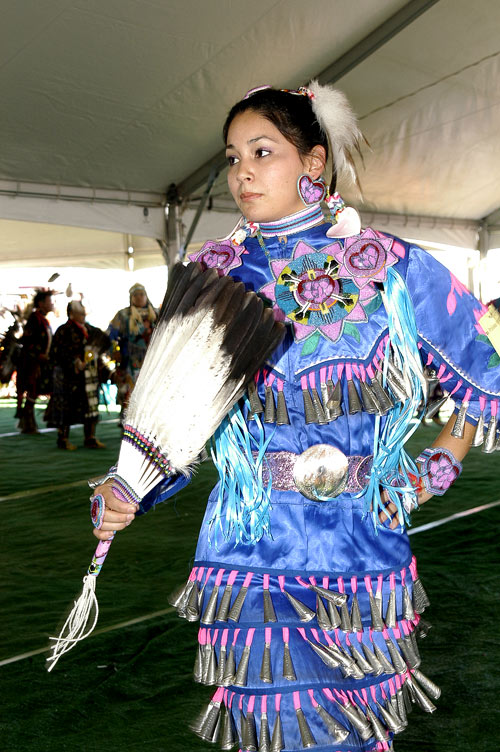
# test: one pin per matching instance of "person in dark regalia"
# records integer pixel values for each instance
(34, 376)
(307, 592)
(78, 371)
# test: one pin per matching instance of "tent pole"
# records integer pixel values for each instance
(170, 246)
(214, 171)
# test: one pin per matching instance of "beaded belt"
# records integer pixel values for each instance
(321, 472)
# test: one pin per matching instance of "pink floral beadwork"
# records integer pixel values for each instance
(365, 258)
(223, 256)
(439, 469)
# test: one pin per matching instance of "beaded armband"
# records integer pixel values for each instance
(438, 469)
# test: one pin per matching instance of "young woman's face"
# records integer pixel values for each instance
(263, 169)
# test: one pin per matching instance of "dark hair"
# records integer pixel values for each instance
(292, 115)
(40, 296)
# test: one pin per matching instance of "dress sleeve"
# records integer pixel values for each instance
(451, 339)
(163, 492)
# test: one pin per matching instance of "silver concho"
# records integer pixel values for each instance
(321, 472)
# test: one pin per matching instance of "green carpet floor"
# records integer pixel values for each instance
(130, 688)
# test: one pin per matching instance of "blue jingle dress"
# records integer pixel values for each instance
(309, 626)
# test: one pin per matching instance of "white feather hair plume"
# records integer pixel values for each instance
(338, 120)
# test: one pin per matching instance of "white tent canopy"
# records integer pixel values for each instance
(107, 104)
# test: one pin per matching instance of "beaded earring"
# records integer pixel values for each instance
(311, 191)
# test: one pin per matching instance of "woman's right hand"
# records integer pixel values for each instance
(117, 515)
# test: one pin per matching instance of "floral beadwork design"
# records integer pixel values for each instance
(439, 469)
(365, 258)
(325, 292)
(223, 256)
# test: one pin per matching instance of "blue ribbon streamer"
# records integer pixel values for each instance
(243, 503)
(391, 462)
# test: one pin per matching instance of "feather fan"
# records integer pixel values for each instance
(210, 339)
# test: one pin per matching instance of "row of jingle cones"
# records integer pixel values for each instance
(354, 662)
(336, 615)
(216, 721)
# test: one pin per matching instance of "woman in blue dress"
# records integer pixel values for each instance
(308, 595)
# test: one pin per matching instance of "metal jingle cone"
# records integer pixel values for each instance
(322, 615)
(392, 701)
(357, 719)
(205, 657)
(387, 667)
(412, 660)
(211, 608)
(240, 680)
(377, 621)
(225, 601)
(360, 660)
(479, 432)
(420, 597)
(420, 696)
(309, 411)
(414, 643)
(408, 698)
(435, 406)
(335, 729)
(427, 684)
(288, 668)
(277, 742)
(353, 401)
(330, 595)
(391, 721)
(390, 614)
(458, 429)
(376, 668)
(266, 673)
(491, 435)
(282, 418)
(325, 655)
(264, 736)
(356, 623)
(397, 380)
(334, 404)
(221, 667)
(270, 408)
(333, 615)
(230, 669)
(408, 610)
(215, 734)
(383, 398)
(306, 736)
(379, 730)
(401, 707)
(198, 665)
(193, 605)
(198, 723)
(269, 612)
(368, 399)
(249, 742)
(228, 732)
(353, 671)
(209, 726)
(179, 598)
(318, 407)
(235, 611)
(211, 670)
(345, 619)
(396, 657)
(324, 398)
(304, 613)
(256, 405)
